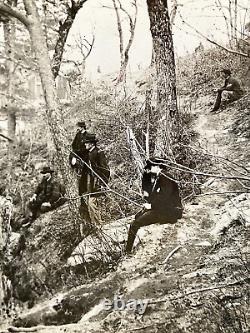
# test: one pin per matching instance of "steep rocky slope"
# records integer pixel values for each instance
(193, 276)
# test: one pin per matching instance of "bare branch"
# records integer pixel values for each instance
(119, 27)
(132, 31)
(173, 12)
(81, 43)
(201, 290)
(107, 188)
(214, 42)
(6, 137)
(125, 55)
(127, 13)
(185, 169)
(220, 7)
(6, 10)
(63, 34)
(171, 254)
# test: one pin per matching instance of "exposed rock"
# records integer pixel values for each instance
(236, 209)
(114, 236)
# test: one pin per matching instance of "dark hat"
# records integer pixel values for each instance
(226, 71)
(46, 170)
(90, 138)
(81, 124)
(155, 161)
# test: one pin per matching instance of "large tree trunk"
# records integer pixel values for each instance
(53, 111)
(165, 69)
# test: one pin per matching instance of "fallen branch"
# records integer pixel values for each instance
(201, 290)
(28, 329)
(214, 42)
(171, 254)
(5, 137)
(220, 193)
(207, 153)
(179, 167)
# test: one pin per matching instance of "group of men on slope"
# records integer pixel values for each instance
(160, 191)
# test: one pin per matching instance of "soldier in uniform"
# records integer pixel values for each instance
(232, 86)
(93, 178)
(163, 205)
(49, 194)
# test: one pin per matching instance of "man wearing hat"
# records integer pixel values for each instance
(79, 151)
(49, 194)
(162, 194)
(97, 173)
(232, 86)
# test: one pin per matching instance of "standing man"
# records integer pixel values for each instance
(49, 194)
(93, 177)
(79, 151)
(163, 199)
(232, 86)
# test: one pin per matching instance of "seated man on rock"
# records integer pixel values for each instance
(49, 194)
(232, 86)
(163, 205)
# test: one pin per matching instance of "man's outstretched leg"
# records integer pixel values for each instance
(131, 236)
(143, 218)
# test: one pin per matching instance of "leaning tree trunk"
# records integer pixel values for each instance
(53, 112)
(165, 69)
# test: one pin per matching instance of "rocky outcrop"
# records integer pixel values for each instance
(237, 210)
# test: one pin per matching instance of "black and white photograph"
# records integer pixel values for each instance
(125, 166)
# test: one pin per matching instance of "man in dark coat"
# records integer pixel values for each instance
(232, 86)
(49, 194)
(94, 177)
(97, 173)
(79, 151)
(163, 199)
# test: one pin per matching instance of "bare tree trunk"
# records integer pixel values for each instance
(236, 21)
(9, 41)
(221, 9)
(5, 230)
(231, 22)
(63, 34)
(124, 51)
(165, 70)
(53, 111)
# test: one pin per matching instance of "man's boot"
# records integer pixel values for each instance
(217, 102)
(131, 238)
